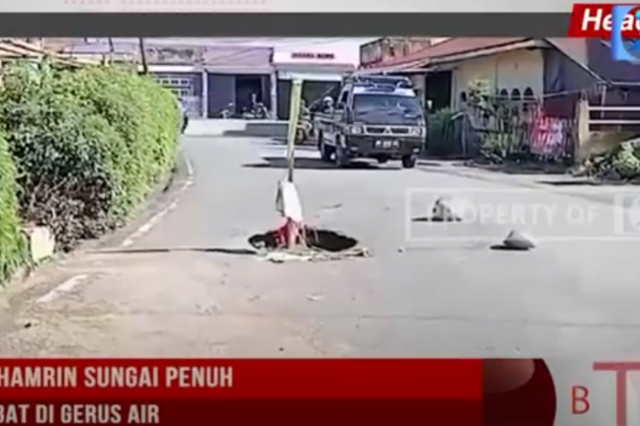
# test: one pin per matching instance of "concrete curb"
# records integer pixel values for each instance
(162, 195)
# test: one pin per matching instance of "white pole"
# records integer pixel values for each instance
(294, 116)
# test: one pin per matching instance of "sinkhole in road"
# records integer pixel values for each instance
(315, 238)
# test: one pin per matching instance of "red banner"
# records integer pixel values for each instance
(242, 412)
(594, 20)
(241, 392)
(278, 379)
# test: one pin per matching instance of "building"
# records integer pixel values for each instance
(513, 67)
(211, 76)
(175, 67)
(388, 50)
(584, 100)
(385, 49)
(321, 67)
(207, 79)
(234, 74)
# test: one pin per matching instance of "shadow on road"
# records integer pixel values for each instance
(435, 219)
(258, 128)
(590, 182)
(310, 164)
(215, 250)
(427, 163)
(282, 143)
(503, 247)
(520, 168)
(574, 182)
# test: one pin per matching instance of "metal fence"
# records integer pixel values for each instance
(503, 130)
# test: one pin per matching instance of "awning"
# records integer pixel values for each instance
(239, 70)
(309, 76)
(171, 68)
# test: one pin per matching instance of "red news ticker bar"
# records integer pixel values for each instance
(238, 412)
(592, 20)
(275, 379)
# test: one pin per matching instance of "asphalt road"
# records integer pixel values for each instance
(428, 290)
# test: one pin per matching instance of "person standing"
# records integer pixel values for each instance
(184, 116)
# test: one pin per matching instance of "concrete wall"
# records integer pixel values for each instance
(519, 69)
(597, 142)
(188, 86)
(242, 128)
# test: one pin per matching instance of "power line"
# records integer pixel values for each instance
(244, 51)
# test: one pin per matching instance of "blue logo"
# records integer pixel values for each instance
(627, 215)
(623, 49)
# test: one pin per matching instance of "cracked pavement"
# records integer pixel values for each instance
(172, 293)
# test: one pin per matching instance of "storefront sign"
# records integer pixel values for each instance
(311, 55)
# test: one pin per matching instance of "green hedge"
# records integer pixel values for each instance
(12, 241)
(88, 144)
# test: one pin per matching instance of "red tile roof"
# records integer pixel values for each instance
(453, 46)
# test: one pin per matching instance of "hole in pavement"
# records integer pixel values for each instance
(316, 238)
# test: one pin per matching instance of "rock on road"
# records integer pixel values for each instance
(171, 292)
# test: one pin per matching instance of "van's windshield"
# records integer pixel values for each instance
(386, 108)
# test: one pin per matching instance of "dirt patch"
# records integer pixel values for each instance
(316, 239)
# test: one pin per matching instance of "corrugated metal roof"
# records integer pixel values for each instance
(19, 49)
(316, 68)
(452, 46)
(208, 56)
(229, 56)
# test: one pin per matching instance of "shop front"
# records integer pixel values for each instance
(320, 71)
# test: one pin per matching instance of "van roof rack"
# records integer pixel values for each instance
(379, 80)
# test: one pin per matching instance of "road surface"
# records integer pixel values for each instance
(180, 286)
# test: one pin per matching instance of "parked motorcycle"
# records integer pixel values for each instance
(228, 112)
(258, 112)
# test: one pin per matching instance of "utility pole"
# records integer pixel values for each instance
(112, 49)
(143, 56)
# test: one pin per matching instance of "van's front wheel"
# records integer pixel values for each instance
(342, 157)
(409, 161)
(325, 151)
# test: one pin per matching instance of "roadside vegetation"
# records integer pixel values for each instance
(80, 150)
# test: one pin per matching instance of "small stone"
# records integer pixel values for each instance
(449, 209)
(518, 240)
(401, 250)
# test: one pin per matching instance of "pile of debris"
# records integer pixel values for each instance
(621, 163)
(450, 209)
